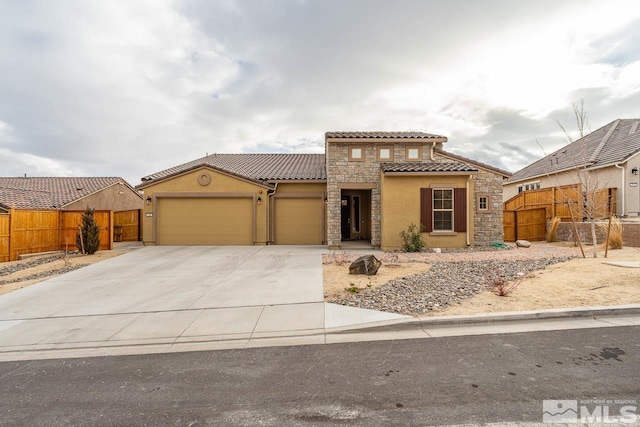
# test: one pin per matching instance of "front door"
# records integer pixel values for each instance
(345, 217)
(355, 214)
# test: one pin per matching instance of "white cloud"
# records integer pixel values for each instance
(128, 88)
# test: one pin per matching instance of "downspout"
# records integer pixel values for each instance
(623, 187)
(433, 146)
(269, 230)
(468, 209)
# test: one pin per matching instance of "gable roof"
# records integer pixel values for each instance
(51, 192)
(383, 135)
(259, 168)
(427, 167)
(613, 143)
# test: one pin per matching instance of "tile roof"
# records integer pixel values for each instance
(257, 167)
(613, 143)
(427, 167)
(473, 162)
(50, 192)
(383, 135)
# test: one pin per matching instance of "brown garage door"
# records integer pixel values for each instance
(299, 221)
(205, 221)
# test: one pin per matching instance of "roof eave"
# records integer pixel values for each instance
(527, 178)
(200, 166)
(459, 173)
(387, 139)
(480, 165)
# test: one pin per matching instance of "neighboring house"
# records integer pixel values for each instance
(68, 193)
(42, 214)
(610, 155)
(368, 186)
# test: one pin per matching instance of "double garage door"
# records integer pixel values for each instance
(230, 221)
(205, 221)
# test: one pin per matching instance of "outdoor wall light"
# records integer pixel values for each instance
(148, 200)
(259, 200)
(634, 171)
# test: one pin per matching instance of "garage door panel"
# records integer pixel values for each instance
(299, 221)
(205, 221)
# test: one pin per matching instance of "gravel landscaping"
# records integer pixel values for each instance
(455, 275)
(444, 284)
(11, 268)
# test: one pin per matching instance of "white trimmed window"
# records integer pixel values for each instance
(443, 209)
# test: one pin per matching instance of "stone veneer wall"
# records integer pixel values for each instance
(488, 226)
(630, 233)
(340, 170)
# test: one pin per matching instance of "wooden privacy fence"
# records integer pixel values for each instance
(4, 237)
(561, 201)
(33, 231)
(128, 223)
(527, 224)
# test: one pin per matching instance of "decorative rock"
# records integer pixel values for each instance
(367, 264)
(446, 283)
(523, 243)
(437, 250)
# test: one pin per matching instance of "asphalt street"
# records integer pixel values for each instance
(451, 380)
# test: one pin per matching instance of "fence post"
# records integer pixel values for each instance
(110, 230)
(11, 226)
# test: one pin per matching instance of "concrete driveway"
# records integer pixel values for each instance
(166, 295)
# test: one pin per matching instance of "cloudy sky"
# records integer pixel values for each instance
(128, 88)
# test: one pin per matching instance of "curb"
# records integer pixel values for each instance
(421, 323)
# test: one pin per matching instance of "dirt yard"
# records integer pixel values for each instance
(575, 283)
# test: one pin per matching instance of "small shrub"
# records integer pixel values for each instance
(615, 233)
(88, 237)
(352, 288)
(552, 231)
(501, 287)
(412, 239)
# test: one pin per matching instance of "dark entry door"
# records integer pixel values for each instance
(345, 217)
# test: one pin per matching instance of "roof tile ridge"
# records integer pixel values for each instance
(605, 139)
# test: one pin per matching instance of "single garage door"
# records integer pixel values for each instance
(205, 221)
(299, 221)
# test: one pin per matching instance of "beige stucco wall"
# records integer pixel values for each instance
(219, 185)
(109, 198)
(401, 207)
(301, 187)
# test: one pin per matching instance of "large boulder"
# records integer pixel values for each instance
(367, 264)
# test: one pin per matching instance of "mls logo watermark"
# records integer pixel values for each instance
(589, 411)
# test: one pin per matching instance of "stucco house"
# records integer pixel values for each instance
(610, 155)
(368, 186)
(68, 193)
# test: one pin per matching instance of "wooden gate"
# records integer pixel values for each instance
(527, 224)
(128, 223)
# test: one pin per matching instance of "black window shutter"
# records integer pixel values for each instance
(425, 210)
(460, 209)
